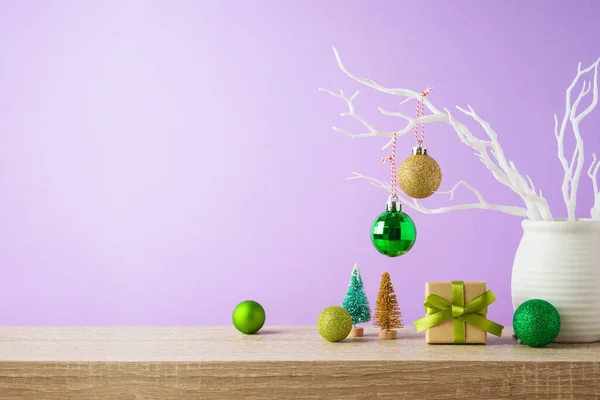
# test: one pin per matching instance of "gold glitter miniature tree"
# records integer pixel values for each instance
(387, 312)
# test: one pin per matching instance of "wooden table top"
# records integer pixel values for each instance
(131, 363)
(224, 344)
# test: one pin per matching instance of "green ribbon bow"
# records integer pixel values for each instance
(439, 310)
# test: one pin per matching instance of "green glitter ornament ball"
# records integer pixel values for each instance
(335, 323)
(393, 233)
(536, 323)
(248, 317)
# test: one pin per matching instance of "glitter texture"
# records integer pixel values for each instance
(536, 323)
(334, 323)
(419, 176)
(387, 312)
(355, 301)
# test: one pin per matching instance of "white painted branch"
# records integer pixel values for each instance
(489, 152)
(482, 204)
(572, 168)
(351, 113)
(416, 205)
(378, 87)
(466, 185)
(412, 120)
(373, 181)
(593, 174)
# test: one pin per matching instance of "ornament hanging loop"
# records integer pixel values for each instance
(419, 150)
(393, 204)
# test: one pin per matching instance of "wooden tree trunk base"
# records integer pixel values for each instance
(357, 332)
(388, 334)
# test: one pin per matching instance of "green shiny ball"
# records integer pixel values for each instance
(334, 324)
(536, 323)
(248, 317)
(393, 233)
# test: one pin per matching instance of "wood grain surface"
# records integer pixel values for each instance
(282, 363)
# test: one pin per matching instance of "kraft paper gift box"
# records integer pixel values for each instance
(456, 313)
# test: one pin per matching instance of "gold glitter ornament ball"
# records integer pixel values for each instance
(335, 323)
(419, 175)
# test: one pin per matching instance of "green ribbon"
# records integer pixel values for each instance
(439, 310)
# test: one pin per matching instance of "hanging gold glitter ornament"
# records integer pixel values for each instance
(419, 175)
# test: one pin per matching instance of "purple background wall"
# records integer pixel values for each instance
(161, 161)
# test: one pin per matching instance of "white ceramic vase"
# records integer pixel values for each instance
(559, 261)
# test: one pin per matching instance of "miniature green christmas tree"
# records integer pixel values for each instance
(356, 302)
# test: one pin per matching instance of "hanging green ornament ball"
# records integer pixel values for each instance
(248, 317)
(393, 233)
(536, 323)
(334, 324)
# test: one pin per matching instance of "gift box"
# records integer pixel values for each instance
(456, 313)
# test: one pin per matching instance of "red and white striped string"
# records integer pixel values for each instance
(392, 159)
(420, 112)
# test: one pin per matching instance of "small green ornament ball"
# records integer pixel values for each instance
(536, 323)
(335, 323)
(248, 317)
(393, 233)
